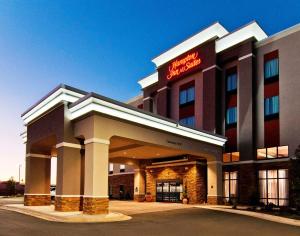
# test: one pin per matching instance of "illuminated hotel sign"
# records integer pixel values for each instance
(182, 65)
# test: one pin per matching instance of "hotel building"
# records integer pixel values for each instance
(217, 119)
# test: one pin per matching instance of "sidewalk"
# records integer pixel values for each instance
(48, 213)
(243, 211)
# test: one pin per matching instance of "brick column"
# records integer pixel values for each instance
(95, 199)
(214, 182)
(69, 180)
(208, 101)
(147, 104)
(37, 180)
(139, 185)
(163, 101)
(245, 108)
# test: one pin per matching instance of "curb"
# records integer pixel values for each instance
(277, 219)
(76, 219)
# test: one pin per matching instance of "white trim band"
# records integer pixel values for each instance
(147, 98)
(91, 196)
(37, 155)
(211, 67)
(71, 145)
(68, 195)
(124, 113)
(97, 140)
(163, 88)
(246, 56)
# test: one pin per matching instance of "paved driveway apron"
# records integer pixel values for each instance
(187, 221)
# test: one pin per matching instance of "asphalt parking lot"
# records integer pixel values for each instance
(189, 221)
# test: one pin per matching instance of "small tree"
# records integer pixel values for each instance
(295, 181)
(11, 186)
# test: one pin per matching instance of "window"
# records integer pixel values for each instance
(122, 168)
(188, 121)
(274, 187)
(111, 168)
(271, 68)
(187, 96)
(273, 152)
(231, 116)
(232, 82)
(230, 185)
(231, 156)
(271, 105)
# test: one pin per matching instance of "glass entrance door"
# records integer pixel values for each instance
(168, 190)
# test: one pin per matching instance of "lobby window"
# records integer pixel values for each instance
(122, 168)
(273, 152)
(111, 168)
(271, 68)
(274, 187)
(231, 116)
(230, 184)
(271, 106)
(188, 121)
(187, 96)
(231, 157)
(231, 82)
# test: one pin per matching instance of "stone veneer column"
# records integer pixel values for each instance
(69, 181)
(95, 199)
(139, 185)
(214, 182)
(37, 179)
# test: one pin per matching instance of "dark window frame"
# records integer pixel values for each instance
(277, 157)
(237, 184)
(277, 178)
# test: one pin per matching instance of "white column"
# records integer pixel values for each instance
(96, 176)
(214, 182)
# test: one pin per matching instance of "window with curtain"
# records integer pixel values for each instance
(187, 96)
(231, 116)
(274, 187)
(232, 82)
(188, 121)
(273, 152)
(271, 68)
(271, 105)
(230, 185)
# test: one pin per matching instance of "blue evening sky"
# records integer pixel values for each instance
(101, 46)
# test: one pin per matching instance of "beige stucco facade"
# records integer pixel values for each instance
(85, 145)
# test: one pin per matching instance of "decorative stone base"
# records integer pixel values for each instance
(68, 203)
(139, 197)
(94, 206)
(215, 200)
(37, 200)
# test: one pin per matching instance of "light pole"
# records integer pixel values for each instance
(20, 173)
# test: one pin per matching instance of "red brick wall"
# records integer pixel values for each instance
(121, 179)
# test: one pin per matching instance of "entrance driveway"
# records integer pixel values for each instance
(133, 208)
(165, 219)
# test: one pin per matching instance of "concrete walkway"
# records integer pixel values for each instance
(123, 210)
(119, 211)
(48, 213)
(277, 219)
